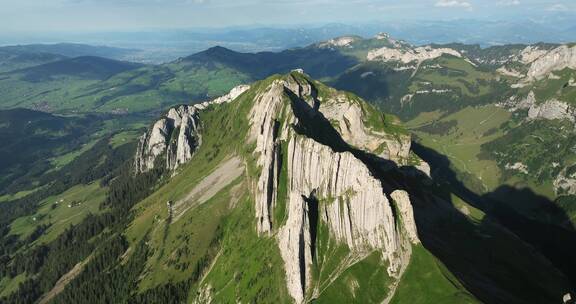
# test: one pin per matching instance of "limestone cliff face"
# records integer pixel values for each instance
(231, 96)
(175, 136)
(349, 121)
(324, 186)
(555, 60)
(265, 131)
(552, 109)
(338, 189)
(402, 200)
(407, 55)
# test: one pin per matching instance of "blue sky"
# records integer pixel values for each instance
(129, 15)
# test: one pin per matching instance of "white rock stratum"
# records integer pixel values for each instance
(544, 62)
(552, 109)
(335, 189)
(176, 135)
(408, 55)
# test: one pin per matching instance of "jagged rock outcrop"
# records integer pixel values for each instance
(565, 182)
(339, 42)
(402, 200)
(349, 120)
(506, 71)
(232, 95)
(555, 60)
(531, 53)
(266, 134)
(354, 207)
(176, 136)
(514, 103)
(552, 109)
(408, 55)
(324, 187)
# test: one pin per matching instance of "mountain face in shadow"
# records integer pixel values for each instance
(87, 67)
(550, 233)
(317, 62)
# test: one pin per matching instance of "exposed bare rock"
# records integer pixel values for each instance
(424, 167)
(395, 43)
(295, 243)
(323, 185)
(408, 55)
(349, 118)
(565, 183)
(264, 129)
(515, 103)
(510, 72)
(177, 135)
(204, 295)
(552, 109)
(151, 145)
(555, 60)
(233, 94)
(314, 168)
(406, 99)
(187, 123)
(264, 118)
(531, 53)
(404, 206)
(339, 42)
(354, 207)
(520, 167)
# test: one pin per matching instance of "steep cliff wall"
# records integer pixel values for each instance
(334, 187)
(176, 136)
(557, 59)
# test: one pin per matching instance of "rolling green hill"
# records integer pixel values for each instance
(12, 60)
(71, 50)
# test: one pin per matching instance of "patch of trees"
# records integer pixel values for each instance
(111, 272)
(99, 162)
(128, 188)
(439, 127)
(48, 262)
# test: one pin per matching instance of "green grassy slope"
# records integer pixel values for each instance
(427, 281)
(11, 60)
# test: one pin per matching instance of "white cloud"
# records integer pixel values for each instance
(453, 3)
(508, 3)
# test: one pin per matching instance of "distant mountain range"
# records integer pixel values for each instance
(167, 45)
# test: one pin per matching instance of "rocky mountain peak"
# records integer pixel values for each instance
(320, 139)
(324, 148)
(177, 135)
